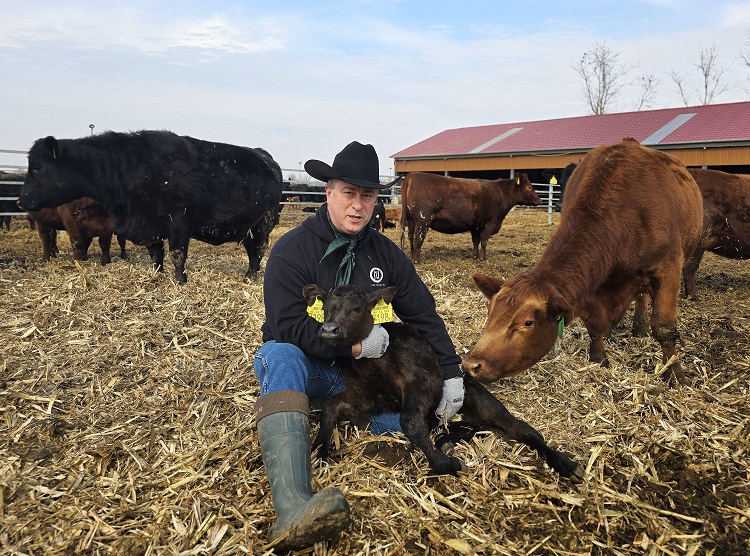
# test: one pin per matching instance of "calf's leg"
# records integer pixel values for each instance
(156, 254)
(80, 245)
(48, 237)
(105, 242)
(414, 424)
(345, 403)
(484, 411)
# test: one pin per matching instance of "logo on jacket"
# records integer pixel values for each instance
(376, 275)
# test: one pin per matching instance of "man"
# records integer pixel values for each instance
(334, 246)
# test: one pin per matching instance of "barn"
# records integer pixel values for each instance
(714, 136)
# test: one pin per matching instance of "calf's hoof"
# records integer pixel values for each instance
(568, 469)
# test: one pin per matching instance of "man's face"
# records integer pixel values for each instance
(350, 206)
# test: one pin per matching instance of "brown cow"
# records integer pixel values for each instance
(83, 220)
(632, 216)
(726, 212)
(456, 205)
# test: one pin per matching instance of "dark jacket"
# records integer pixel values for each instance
(295, 262)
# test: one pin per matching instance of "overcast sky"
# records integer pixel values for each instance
(303, 79)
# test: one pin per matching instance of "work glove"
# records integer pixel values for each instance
(374, 346)
(452, 400)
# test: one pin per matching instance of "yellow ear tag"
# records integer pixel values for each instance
(382, 312)
(316, 310)
(518, 180)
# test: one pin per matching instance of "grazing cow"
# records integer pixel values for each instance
(158, 185)
(562, 177)
(631, 218)
(377, 220)
(456, 205)
(726, 211)
(83, 220)
(408, 379)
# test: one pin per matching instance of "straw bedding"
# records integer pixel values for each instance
(127, 426)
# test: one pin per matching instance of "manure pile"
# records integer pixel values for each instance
(126, 403)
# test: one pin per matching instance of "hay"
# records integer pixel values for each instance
(126, 402)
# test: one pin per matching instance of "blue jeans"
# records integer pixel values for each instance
(280, 366)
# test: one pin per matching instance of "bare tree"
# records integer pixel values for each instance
(648, 83)
(603, 77)
(745, 56)
(711, 82)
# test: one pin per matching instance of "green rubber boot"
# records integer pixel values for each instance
(302, 518)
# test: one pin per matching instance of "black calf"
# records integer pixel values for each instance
(408, 379)
(377, 220)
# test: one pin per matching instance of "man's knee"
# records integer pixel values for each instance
(280, 366)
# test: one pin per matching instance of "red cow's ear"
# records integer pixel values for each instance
(558, 308)
(488, 285)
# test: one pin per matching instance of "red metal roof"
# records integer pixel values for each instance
(669, 126)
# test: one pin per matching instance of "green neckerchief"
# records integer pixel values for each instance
(346, 266)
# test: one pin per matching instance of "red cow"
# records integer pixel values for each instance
(726, 213)
(631, 218)
(456, 205)
(83, 220)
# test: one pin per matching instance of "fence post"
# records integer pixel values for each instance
(549, 205)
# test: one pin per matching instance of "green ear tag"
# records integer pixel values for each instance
(560, 327)
(382, 312)
(316, 311)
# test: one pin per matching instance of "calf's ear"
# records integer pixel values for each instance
(311, 292)
(50, 143)
(386, 294)
(488, 285)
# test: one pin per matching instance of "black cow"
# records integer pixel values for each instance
(158, 185)
(562, 180)
(377, 220)
(408, 379)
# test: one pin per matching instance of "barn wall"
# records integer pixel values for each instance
(713, 157)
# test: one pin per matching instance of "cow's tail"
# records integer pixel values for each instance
(404, 186)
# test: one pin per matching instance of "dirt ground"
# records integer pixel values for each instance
(127, 426)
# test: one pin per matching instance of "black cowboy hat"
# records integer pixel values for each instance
(356, 164)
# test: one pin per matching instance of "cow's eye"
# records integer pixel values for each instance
(528, 323)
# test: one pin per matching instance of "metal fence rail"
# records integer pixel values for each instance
(5, 197)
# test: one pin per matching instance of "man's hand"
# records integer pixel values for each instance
(453, 398)
(374, 346)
